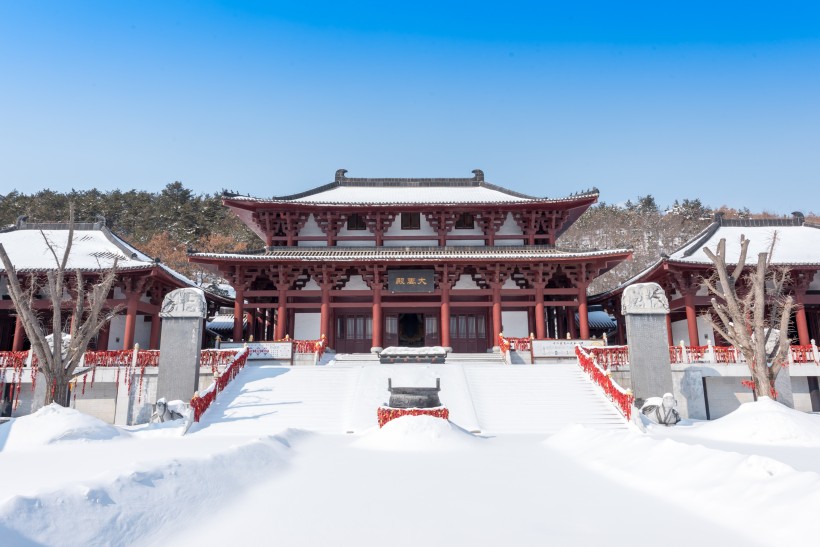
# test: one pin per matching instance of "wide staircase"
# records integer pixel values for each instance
(482, 396)
(537, 399)
(474, 358)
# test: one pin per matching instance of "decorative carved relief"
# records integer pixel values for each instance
(188, 302)
(644, 298)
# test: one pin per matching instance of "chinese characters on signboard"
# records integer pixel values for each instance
(411, 280)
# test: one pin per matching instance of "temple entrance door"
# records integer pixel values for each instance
(468, 332)
(354, 332)
(411, 330)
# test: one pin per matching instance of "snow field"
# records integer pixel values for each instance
(241, 477)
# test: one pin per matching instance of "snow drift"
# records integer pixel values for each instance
(763, 422)
(417, 433)
(54, 424)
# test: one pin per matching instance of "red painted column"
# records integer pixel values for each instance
(102, 338)
(802, 324)
(281, 315)
(238, 315)
(155, 331)
(19, 335)
(539, 313)
(377, 316)
(691, 318)
(496, 312)
(130, 321)
(325, 309)
(583, 312)
(445, 316)
(570, 314)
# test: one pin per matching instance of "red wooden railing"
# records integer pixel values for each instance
(803, 354)
(621, 398)
(201, 402)
(610, 356)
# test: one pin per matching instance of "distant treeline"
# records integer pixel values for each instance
(167, 223)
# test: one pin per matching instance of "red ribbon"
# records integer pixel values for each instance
(386, 414)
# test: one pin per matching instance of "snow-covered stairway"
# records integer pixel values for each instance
(537, 399)
(265, 399)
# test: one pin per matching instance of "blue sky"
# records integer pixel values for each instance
(674, 99)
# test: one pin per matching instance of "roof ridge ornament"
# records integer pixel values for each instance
(478, 175)
(340, 175)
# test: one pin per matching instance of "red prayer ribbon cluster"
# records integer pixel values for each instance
(386, 414)
(610, 356)
(200, 403)
(16, 361)
(622, 398)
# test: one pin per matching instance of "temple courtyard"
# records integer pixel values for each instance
(293, 456)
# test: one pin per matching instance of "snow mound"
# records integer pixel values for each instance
(417, 433)
(764, 422)
(53, 424)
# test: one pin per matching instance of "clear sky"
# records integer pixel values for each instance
(716, 100)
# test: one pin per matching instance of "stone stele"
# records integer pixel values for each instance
(183, 314)
(645, 307)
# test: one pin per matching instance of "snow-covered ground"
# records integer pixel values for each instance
(751, 478)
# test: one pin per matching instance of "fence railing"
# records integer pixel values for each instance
(622, 398)
(201, 401)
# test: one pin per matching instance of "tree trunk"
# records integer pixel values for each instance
(57, 391)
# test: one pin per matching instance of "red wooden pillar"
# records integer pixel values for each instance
(539, 312)
(155, 331)
(445, 315)
(130, 320)
(377, 316)
(496, 312)
(19, 335)
(281, 315)
(238, 315)
(102, 338)
(802, 324)
(573, 333)
(253, 330)
(583, 312)
(324, 320)
(691, 318)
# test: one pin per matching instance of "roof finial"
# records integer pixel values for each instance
(340, 175)
(799, 217)
(478, 175)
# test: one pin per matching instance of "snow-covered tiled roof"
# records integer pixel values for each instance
(429, 194)
(406, 191)
(341, 254)
(94, 248)
(797, 243)
(794, 244)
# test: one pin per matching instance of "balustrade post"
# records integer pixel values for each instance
(815, 351)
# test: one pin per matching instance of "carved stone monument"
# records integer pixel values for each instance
(645, 308)
(183, 314)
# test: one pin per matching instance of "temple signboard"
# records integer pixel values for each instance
(404, 281)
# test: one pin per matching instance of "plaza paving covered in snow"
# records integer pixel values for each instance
(293, 456)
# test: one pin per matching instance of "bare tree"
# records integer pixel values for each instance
(753, 311)
(56, 361)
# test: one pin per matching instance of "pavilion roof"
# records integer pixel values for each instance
(796, 244)
(354, 254)
(408, 191)
(94, 249)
